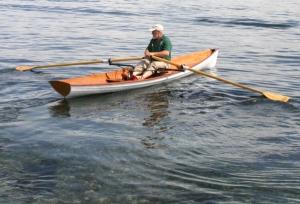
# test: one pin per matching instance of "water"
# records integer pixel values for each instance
(193, 141)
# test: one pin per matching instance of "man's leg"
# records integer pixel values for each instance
(153, 67)
(141, 67)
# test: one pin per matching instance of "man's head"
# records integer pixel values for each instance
(157, 31)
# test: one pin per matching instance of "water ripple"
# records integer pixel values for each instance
(59, 9)
(196, 140)
(248, 22)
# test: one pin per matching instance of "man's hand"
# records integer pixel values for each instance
(147, 53)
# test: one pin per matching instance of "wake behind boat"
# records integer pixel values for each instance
(99, 83)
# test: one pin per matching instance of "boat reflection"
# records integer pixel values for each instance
(157, 105)
(125, 110)
(158, 108)
(84, 106)
(60, 109)
(153, 105)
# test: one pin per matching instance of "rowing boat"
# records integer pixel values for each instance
(99, 83)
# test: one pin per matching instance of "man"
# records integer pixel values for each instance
(160, 46)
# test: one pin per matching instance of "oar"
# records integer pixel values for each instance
(29, 68)
(267, 94)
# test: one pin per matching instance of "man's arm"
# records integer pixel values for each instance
(163, 53)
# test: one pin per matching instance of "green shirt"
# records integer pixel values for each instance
(157, 45)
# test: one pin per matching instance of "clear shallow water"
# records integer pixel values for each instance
(192, 141)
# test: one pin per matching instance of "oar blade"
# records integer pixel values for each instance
(276, 97)
(23, 68)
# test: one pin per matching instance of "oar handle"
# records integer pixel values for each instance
(167, 61)
(125, 59)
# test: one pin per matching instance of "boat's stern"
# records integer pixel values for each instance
(61, 87)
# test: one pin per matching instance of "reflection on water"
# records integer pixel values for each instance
(79, 107)
(157, 105)
(153, 106)
(61, 109)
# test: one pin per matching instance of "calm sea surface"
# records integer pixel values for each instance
(192, 141)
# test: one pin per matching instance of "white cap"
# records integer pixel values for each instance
(158, 27)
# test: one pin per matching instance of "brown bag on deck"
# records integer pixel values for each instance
(119, 75)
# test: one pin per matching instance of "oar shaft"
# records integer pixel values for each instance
(87, 62)
(208, 75)
(69, 64)
(269, 95)
(28, 68)
(225, 80)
